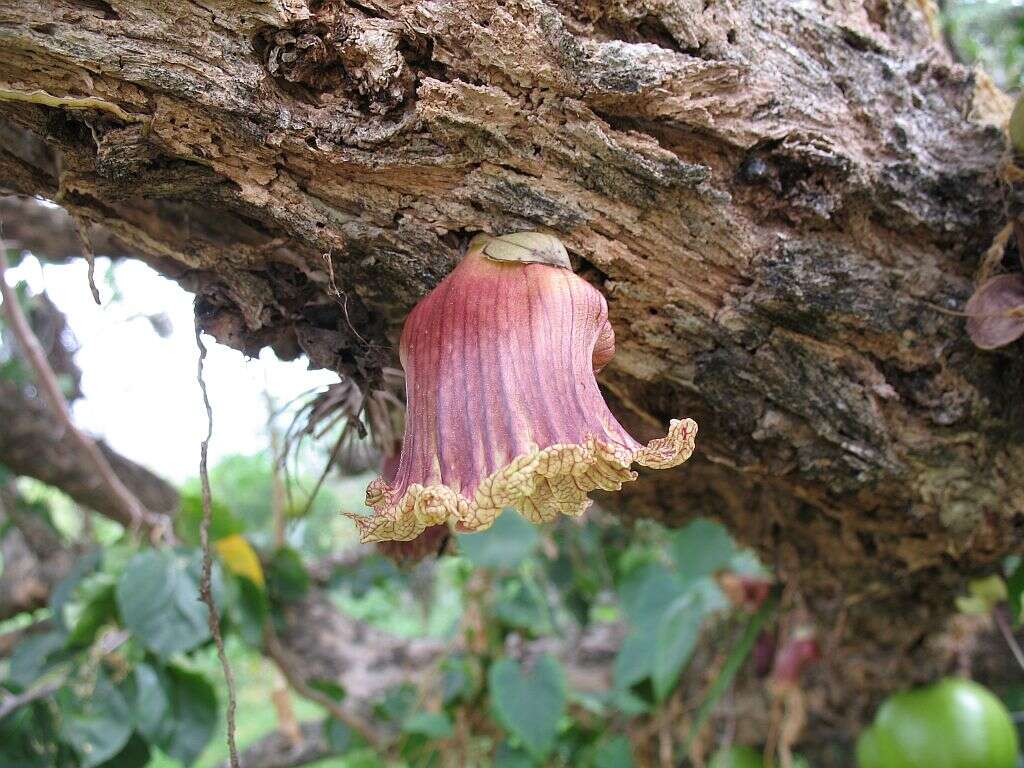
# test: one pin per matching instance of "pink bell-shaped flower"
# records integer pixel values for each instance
(503, 409)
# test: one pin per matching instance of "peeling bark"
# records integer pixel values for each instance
(772, 196)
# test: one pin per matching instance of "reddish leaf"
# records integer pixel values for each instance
(996, 312)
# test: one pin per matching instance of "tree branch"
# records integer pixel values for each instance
(14, 702)
(297, 680)
(128, 509)
(106, 644)
(49, 232)
(35, 443)
(28, 577)
(275, 750)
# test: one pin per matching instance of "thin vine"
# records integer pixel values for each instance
(205, 584)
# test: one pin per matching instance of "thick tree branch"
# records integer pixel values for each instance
(36, 443)
(49, 232)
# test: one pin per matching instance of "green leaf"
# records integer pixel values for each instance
(134, 755)
(433, 725)
(152, 703)
(91, 606)
(634, 660)
(592, 703)
(397, 704)
(615, 752)
(701, 548)
(26, 738)
(706, 590)
(175, 709)
(518, 607)
(504, 545)
(32, 657)
(65, 590)
(328, 688)
(193, 714)
(529, 702)
(420, 751)
(628, 703)
(97, 726)
(744, 561)
(249, 606)
(158, 597)
(456, 682)
(647, 593)
(676, 637)
(223, 522)
(287, 578)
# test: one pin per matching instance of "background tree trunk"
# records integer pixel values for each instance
(773, 196)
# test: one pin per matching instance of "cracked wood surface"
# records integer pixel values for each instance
(771, 195)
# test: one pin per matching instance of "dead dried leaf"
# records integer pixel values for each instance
(995, 313)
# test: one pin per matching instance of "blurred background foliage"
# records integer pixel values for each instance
(153, 697)
(989, 33)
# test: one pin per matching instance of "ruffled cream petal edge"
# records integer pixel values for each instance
(539, 485)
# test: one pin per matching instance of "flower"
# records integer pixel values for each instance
(503, 406)
(431, 541)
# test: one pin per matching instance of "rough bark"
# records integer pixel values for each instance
(50, 233)
(772, 196)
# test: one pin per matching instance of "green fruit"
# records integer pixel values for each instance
(951, 724)
(746, 757)
(1017, 126)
